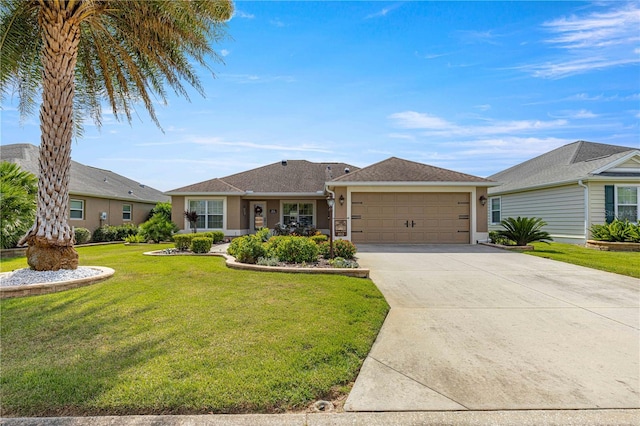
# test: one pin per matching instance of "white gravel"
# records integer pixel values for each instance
(28, 276)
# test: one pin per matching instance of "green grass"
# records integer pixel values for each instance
(625, 263)
(183, 335)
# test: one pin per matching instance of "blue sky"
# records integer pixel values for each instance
(470, 86)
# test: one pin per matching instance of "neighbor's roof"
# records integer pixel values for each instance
(572, 162)
(398, 170)
(86, 180)
(286, 177)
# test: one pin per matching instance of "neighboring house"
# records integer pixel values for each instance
(393, 201)
(570, 188)
(96, 197)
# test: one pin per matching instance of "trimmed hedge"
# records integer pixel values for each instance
(82, 235)
(292, 249)
(201, 244)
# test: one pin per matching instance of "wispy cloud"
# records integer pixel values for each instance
(219, 142)
(383, 12)
(277, 23)
(474, 37)
(595, 41)
(436, 126)
(244, 15)
(224, 52)
(253, 78)
(484, 107)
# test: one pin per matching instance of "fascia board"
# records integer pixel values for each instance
(107, 197)
(204, 194)
(334, 184)
(567, 182)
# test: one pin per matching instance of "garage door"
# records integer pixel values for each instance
(410, 218)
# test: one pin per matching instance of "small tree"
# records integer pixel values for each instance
(158, 228)
(18, 190)
(164, 208)
(192, 217)
(524, 230)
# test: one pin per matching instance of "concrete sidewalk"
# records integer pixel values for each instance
(476, 328)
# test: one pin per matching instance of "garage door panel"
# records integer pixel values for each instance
(436, 217)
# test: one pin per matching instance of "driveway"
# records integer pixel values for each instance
(478, 328)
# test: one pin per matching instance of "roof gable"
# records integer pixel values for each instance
(398, 170)
(568, 163)
(85, 180)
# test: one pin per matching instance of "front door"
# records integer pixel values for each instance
(258, 215)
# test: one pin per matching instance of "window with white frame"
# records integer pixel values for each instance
(76, 209)
(496, 207)
(126, 212)
(628, 203)
(300, 213)
(210, 213)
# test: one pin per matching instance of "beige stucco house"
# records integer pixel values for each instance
(97, 197)
(393, 201)
(570, 188)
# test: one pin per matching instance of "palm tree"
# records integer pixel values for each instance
(17, 202)
(79, 52)
(524, 230)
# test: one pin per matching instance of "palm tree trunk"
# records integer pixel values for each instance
(51, 238)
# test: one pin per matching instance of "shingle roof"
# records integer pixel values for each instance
(85, 180)
(398, 170)
(572, 162)
(297, 176)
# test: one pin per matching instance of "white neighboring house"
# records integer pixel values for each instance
(570, 188)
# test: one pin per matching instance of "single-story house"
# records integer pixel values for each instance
(97, 197)
(393, 201)
(570, 188)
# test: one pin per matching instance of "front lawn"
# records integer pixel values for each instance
(182, 334)
(625, 263)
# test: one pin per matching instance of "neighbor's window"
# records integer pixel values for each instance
(300, 213)
(627, 203)
(126, 212)
(210, 213)
(496, 204)
(76, 210)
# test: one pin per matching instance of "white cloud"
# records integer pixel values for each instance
(383, 12)
(484, 107)
(224, 52)
(244, 15)
(417, 120)
(219, 142)
(253, 78)
(583, 113)
(594, 41)
(277, 23)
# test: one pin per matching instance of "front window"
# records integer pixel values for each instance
(298, 213)
(627, 203)
(496, 210)
(76, 210)
(126, 212)
(210, 213)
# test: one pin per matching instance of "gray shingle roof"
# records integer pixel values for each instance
(86, 180)
(572, 162)
(398, 170)
(296, 177)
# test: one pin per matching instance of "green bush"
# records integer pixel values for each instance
(162, 208)
(324, 250)
(344, 248)
(82, 235)
(264, 234)
(134, 239)
(158, 228)
(217, 236)
(247, 249)
(126, 230)
(495, 238)
(292, 249)
(105, 234)
(183, 241)
(617, 231)
(340, 262)
(524, 230)
(319, 238)
(18, 190)
(201, 244)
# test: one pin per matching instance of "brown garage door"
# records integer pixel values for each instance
(410, 217)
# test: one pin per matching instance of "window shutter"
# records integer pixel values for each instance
(609, 204)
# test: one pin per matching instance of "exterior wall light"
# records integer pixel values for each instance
(341, 199)
(483, 200)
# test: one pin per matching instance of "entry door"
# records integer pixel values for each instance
(258, 215)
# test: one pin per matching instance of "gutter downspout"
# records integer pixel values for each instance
(586, 209)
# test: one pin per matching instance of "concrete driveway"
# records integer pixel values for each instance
(478, 328)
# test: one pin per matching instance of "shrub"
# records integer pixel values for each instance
(264, 234)
(616, 231)
(268, 261)
(105, 234)
(216, 236)
(18, 190)
(247, 249)
(319, 238)
(344, 248)
(324, 250)
(201, 244)
(293, 249)
(162, 208)
(134, 239)
(524, 230)
(158, 228)
(182, 241)
(495, 238)
(82, 235)
(340, 262)
(124, 231)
